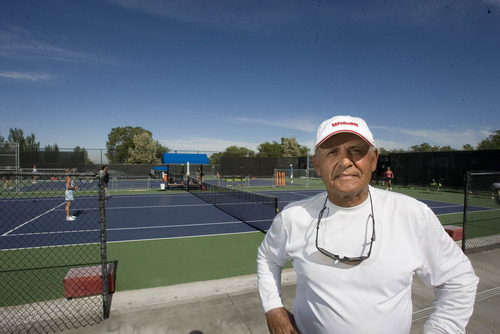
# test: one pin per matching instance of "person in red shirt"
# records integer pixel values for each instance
(389, 175)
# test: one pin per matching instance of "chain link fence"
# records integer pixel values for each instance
(481, 222)
(53, 270)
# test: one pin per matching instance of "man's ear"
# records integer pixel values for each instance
(316, 165)
(375, 159)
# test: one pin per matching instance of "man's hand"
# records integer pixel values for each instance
(280, 321)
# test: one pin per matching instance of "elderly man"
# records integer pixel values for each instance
(355, 250)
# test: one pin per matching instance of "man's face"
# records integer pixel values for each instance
(345, 162)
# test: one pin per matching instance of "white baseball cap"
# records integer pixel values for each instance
(340, 124)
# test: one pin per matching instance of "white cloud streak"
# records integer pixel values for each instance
(204, 144)
(248, 16)
(440, 137)
(18, 43)
(26, 76)
(300, 125)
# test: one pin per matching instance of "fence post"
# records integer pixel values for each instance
(466, 200)
(104, 256)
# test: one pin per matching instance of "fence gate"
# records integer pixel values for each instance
(481, 220)
(53, 269)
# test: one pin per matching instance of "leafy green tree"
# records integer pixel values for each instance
(490, 143)
(17, 136)
(121, 139)
(382, 151)
(31, 144)
(468, 147)
(160, 149)
(238, 151)
(446, 148)
(304, 150)
(144, 150)
(424, 147)
(80, 150)
(50, 148)
(268, 149)
(215, 158)
(290, 147)
(26, 144)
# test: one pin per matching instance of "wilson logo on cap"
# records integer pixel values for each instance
(344, 123)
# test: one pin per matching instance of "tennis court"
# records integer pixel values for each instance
(154, 238)
(143, 217)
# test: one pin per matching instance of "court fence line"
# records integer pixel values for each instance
(481, 219)
(54, 273)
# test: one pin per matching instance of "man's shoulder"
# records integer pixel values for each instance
(305, 203)
(396, 199)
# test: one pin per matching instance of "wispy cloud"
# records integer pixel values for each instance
(204, 144)
(260, 15)
(439, 137)
(27, 76)
(18, 43)
(298, 124)
(244, 15)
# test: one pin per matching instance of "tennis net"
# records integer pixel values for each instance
(256, 210)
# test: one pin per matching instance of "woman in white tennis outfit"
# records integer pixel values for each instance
(69, 195)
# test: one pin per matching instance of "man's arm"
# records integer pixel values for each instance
(279, 320)
(451, 274)
(270, 261)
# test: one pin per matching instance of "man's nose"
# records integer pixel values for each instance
(345, 157)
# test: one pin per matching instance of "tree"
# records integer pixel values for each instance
(50, 148)
(268, 149)
(238, 151)
(446, 148)
(121, 139)
(144, 150)
(424, 147)
(160, 149)
(490, 143)
(290, 147)
(215, 158)
(382, 151)
(26, 144)
(304, 151)
(30, 144)
(468, 147)
(80, 150)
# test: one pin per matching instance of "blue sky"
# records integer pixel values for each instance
(204, 75)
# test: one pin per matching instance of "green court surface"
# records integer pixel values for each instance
(162, 262)
(146, 264)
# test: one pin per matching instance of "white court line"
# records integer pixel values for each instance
(129, 228)
(29, 221)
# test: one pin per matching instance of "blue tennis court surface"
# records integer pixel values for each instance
(137, 217)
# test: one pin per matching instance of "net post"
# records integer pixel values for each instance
(106, 307)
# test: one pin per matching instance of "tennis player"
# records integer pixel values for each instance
(389, 175)
(355, 250)
(69, 195)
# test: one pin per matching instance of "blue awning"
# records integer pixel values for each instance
(184, 158)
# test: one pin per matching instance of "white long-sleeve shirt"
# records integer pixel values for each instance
(375, 295)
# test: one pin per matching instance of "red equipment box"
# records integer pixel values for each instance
(455, 232)
(86, 281)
